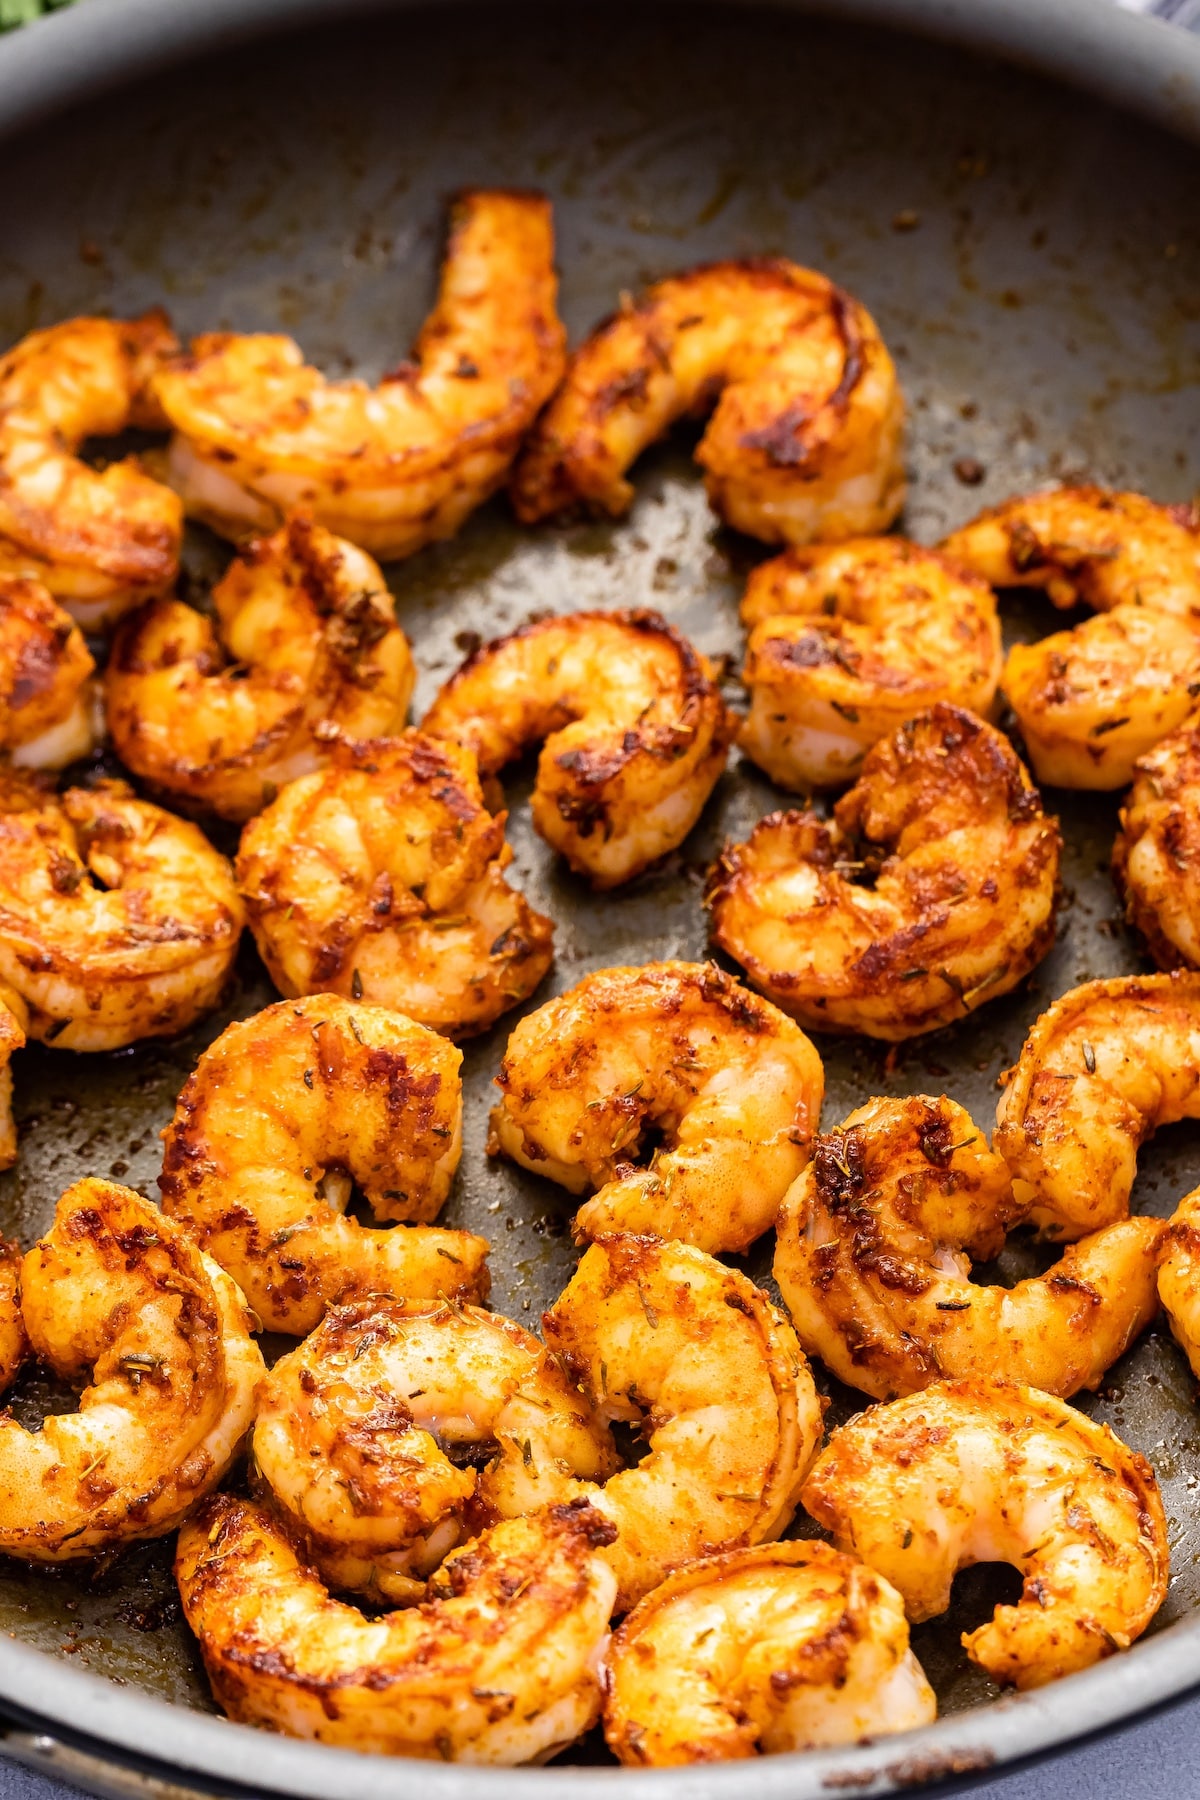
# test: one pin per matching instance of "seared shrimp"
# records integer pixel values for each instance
(966, 865)
(14, 1017)
(281, 1116)
(734, 1087)
(1100, 1071)
(664, 1337)
(100, 541)
(807, 438)
(874, 1261)
(780, 1647)
(310, 642)
(383, 877)
(366, 1436)
(1107, 549)
(1156, 858)
(849, 640)
(115, 1289)
(117, 920)
(498, 1666)
(14, 1340)
(987, 1471)
(47, 696)
(1179, 1276)
(258, 433)
(633, 730)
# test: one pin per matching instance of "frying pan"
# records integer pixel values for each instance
(286, 164)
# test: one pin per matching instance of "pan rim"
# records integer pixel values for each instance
(1138, 64)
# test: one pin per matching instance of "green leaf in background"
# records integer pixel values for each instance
(19, 12)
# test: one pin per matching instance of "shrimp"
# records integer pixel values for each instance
(988, 1471)
(117, 920)
(281, 1116)
(14, 1020)
(781, 1647)
(14, 1339)
(664, 1337)
(962, 907)
(1156, 857)
(383, 876)
(1100, 1071)
(498, 1666)
(115, 1289)
(259, 434)
(1107, 549)
(311, 641)
(366, 1435)
(99, 541)
(847, 641)
(48, 714)
(807, 438)
(633, 729)
(734, 1087)
(874, 1263)
(1179, 1276)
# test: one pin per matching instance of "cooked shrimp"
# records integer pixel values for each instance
(1179, 1276)
(115, 1289)
(987, 1471)
(874, 1262)
(117, 920)
(782, 1647)
(281, 1116)
(100, 541)
(14, 1340)
(258, 433)
(731, 1084)
(1091, 701)
(1100, 1071)
(663, 1336)
(635, 732)
(1107, 549)
(807, 438)
(366, 1435)
(498, 1666)
(1156, 858)
(311, 641)
(966, 865)
(849, 640)
(383, 877)
(47, 696)
(14, 1018)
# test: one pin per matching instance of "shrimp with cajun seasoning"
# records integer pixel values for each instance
(1179, 1276)
(14, 1017)
(732, 1084)
(383, 876)
(1156, 857)
(48, 713)
(633, 729)
(988, 1471)
(875, 1242)
(806, 439)
(281, 1116)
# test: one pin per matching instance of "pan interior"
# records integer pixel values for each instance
(1028, 256)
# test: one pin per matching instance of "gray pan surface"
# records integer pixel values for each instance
(1044, 310)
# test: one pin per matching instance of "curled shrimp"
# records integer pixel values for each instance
(47, 695)
(383, 876)
(1156, 857)
(118, 921)
(99, 541)
(399, 1426)
(308, 640)
(498, 1666)
(966, 871)
(806, 441)
(281, 1116)
(634, 732)
(775, 1648)
(1179, 1276)
(14, 1339)
(847, 641)
(988, 1471)
(1100, 1071)
(874, 1258)
(14, 1018)
(666, 1338)
(259, 433)
(116, 1290)
(734, 1087)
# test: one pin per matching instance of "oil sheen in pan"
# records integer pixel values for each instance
(972, 210)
